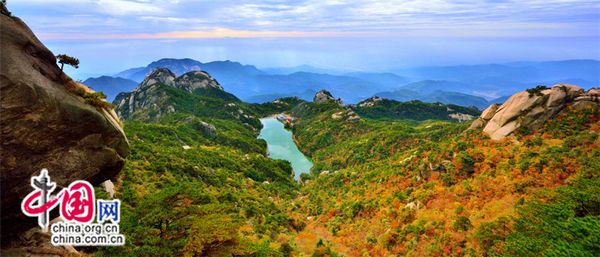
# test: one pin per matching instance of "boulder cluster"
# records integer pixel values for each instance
(346, 115)
(531, 108)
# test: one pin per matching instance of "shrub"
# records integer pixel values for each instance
(467, 163)
(97, 99)
(462, 223)
(286, 249)
(491, 235)
(75, 88)
(305, 177)
(536, 90)
(447, 179)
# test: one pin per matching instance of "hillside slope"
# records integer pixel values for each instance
(379, 108)
(198, 181)
(437, 189)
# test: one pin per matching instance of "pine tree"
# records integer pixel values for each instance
(65, 59)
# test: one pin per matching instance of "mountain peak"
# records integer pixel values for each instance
(325, 96)
(159, 75)
(173, 61)
(193, 80)
(149, 101)
(189, 81)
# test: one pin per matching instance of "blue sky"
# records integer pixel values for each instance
(111, 35)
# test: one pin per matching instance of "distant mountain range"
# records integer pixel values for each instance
(111, 86)
(496, 80)
(247, 82)
(466, 85)
(304, 68)
(436, 91)
(225, 69)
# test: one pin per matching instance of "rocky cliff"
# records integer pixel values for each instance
(528, 110)
(152, 100)
(46, 123)
(324, 96)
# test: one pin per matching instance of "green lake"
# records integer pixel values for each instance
(281, 146)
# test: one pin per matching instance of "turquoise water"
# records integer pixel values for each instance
(281, 146)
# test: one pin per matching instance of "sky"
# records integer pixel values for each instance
(112, 35)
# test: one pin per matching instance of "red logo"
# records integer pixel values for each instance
(77, 201)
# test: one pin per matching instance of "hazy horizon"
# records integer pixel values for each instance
(330, 70)
(109, 36)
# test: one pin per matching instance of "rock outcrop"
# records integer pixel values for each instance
(159, 75)
(461, 117)
(196, 80)
(370, 102)
(325, 96)
(147, 96)
(150, 100)
(346, 115)
(530, 109)
(109, 188)
(486, 116)
(45, 123)
(203, 127)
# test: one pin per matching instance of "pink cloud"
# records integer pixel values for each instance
(207, 34)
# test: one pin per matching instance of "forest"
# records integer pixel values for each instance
(398, 185)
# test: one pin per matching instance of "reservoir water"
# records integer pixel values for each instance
(280, 145)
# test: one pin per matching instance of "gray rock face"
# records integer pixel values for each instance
(196, 79)
(159, 75)
(531, 110)
(346, 115)
(370, 102)
(109, 187)
(44, 125)
(204, 127)
(207, 129)
(352, 116)
(149, 100)
(324, 96)
(461, 117)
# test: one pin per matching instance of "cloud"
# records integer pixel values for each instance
(279, 18)
(123, 7)
(507, 30)
(109, 7)
(198, 34)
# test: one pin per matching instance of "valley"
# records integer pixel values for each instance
(280, 145)
(384, 177)
(225, 159)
